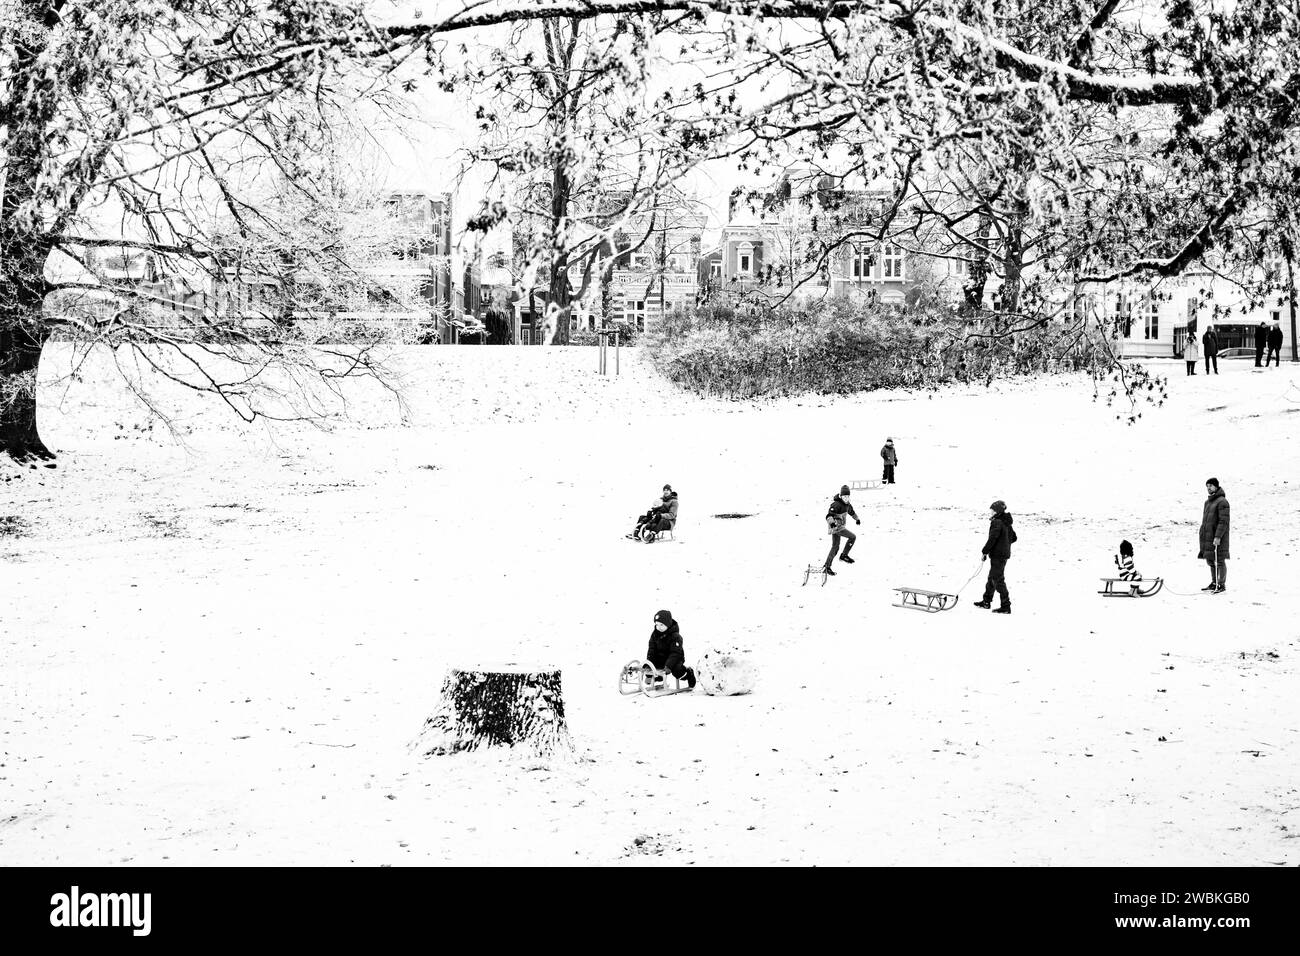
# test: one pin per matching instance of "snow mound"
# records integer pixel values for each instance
(726, 673)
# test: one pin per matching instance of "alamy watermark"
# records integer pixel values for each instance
(102, 909)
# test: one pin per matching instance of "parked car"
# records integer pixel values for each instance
(1236, 353)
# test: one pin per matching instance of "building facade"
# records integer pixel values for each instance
(811, 240)
(1152, 320)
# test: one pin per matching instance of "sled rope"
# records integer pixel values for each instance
(1198, 593)
(973, 576)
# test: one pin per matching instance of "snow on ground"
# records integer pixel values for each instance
(217, 654)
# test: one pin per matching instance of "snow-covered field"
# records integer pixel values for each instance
(217, 654)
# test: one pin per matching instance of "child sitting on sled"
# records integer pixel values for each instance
(666, 652)
(1124, 561)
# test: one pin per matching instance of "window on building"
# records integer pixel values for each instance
(1149, 315)
(745, 259)
(959, 267)
(715, 269)
(638, 314)
(640, 260)
(863, 264)
(892, 262)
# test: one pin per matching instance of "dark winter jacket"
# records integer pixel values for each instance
(1214, 524)
(668, 508)
(1275, 337)
(1001, 536)
(1211, 342)
(837, 510)
(889, 455)
(1261, 335)
(665, 645)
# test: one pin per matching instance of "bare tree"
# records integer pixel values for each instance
(132, 123)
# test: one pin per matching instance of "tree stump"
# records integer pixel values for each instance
(500, 706)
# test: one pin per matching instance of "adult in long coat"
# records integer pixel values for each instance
(1274, 345)
(1214, 536)
(1261, 340)
(1210, 349)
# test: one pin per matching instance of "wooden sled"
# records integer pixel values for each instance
(1118, 587)
(642, 677)
(812, 569)
(934, 600)
(866, 484)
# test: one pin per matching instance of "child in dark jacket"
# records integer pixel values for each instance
(836, 523)
(666, 652)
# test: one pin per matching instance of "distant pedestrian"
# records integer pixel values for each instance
(890, 458)
(1191, 353)
(1214, 536)
(1274, 345)
(1210, 344)
(997, 551)
(1261, 339)
(836, 528)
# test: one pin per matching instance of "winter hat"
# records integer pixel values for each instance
(1212, 481)
(889, 441)
(844, 489)
(999, 506)
(665, 618)
(668, 487)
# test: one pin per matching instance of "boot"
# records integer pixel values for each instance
(827, 570)
(846, 559)
(1004, 609)
(690, 677)
(1210, 587)
(984, 604)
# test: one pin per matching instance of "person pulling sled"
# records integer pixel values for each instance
(997, 551)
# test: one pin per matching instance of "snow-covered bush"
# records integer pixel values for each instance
(844, 347)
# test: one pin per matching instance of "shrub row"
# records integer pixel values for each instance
(839, 349)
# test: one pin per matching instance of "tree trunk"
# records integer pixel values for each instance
(506, 706)
(1290, 285)
(20, 358)
(973, 288)
(561, 190)
(1013, 262)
